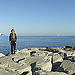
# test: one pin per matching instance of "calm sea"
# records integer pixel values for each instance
(36, 42)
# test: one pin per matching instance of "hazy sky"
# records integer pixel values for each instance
(37, 17)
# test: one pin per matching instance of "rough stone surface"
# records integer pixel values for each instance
(8, 64)
(1, 55)
(71, 58)
(57, 60)
(69, 53)
(38, 61)
(45, 64)
(67, 66)
(40, 72)
(4, 72)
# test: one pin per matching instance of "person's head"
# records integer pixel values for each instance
(12, 30)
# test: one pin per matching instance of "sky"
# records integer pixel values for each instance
(38, 17)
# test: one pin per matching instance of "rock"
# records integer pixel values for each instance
(1, 55)
(69, 53)
(51, 49)
(30, 73)
(38, 53)
(40, 72)
(42, 49)
(27, 73)
(30, 60)
(32, 48)
(20, 56)
(62, 50)
(17, 51)
(71, 58)
(38, 62)
(24, 50)
(63, 55)
(23, 68)
(46, 53)
(57, 60)
(44, 64)
(7, 63)
(68, 49)
(68, 46)
(67, 66)
(73, 46)
(4, 72)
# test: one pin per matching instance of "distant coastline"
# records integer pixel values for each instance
(2, 35)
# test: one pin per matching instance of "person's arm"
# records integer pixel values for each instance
(10, 38)
(15, 36)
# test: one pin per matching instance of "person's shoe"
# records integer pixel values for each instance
(11, 52)
(15, 51)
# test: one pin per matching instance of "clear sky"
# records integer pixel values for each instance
(37, 17)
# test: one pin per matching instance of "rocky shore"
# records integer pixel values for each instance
(39, 61)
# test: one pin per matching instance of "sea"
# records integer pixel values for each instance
(36, 42)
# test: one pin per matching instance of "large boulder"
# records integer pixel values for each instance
(56, 60)
(7, 63)
(44, 64)
(67, 66)
(20, 56)
(38, 62)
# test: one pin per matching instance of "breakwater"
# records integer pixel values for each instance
(39, 61)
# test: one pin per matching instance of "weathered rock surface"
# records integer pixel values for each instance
(71, 58)
(45, 64)
(38, 61)
(57, 60)
(4, 72)
(40, 72)
(1, 55)
(67, 66)
(7, 63)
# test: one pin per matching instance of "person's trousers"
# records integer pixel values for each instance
(13, 47)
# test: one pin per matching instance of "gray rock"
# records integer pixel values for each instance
(30, 73)
(42, 49)
(57, 60)
(20, 56)
(38, 53)
(33, 49)
(67, 66)
(69, 53)
(63, 55)
(71, 58)
(44, 64)
(4, 72)
(38, 62)
(40, 72)
(1, 55)
(7, 63)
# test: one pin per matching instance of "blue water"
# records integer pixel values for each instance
(36, 42)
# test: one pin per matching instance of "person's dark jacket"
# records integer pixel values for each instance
(11, 37)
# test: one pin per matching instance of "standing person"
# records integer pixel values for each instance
(12, 40)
